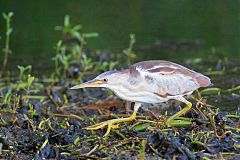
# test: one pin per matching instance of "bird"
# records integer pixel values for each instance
(153, 81)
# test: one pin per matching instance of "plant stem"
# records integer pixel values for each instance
(6, 50)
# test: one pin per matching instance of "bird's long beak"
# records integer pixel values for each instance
(91, 83)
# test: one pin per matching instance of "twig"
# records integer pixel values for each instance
(154, 150)
(44, 144)
(120, 115)
(68, 116)
(90, 152)
(142, 152)
(215, 129)
(51, 98)
(103, 105)
(148, 121)
(120, 134)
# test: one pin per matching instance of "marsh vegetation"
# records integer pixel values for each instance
(41, 118)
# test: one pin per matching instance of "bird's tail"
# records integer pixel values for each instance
(203, 81)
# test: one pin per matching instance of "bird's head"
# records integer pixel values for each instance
(107, 79)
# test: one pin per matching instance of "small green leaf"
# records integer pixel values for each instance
(30, 79)
(209, 91)
(177, 123)
(10, 14)
(77, 27)
(90, 35)
(77, 35)
(141, 127)
(66, 21)
(4, 15)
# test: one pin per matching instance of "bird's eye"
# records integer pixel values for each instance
(105, 79)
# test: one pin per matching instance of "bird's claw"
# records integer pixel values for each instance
(109, 123)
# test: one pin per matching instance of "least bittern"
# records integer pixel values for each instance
(148, 82)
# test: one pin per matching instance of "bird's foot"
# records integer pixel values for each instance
(181, 112)
(111, 124)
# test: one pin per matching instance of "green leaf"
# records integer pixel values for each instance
(4, 15)
(66, 21)
(10, 14)
(59, 44)
(8, 96)
(77, 35)
(209, 91)
(58, 28)
(90, 35)
(77, 27)
(132, 38)
(141, 127)
(177, 123)
(30, 79)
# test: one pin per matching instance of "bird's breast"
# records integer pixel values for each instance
(135, 95)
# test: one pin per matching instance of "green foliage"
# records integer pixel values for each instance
(129, 51)
(70, 51)
(67, 28)
(23, 70)
(8, 32)
(8, 97)
(30, 80)
(141, 127)
(32, 112)
(25, 81)
(214, 91)
(62, 61)
(73, 33)
(10, 101)
(8, 17)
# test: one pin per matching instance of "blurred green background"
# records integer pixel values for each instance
(164, 29)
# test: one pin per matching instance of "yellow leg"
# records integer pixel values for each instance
(184, 110)
(111, 123)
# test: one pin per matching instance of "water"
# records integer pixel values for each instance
(208, 23)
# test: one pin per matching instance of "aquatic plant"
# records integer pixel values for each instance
(7, 97)
(23, 71)
(6, 50)
(63, 59)
(57, 72)
(74, 39)
(29, 83)
(129, 51)
(70, 50)
(25, 82)
(32, 112)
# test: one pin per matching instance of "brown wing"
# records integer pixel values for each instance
(168, 68)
